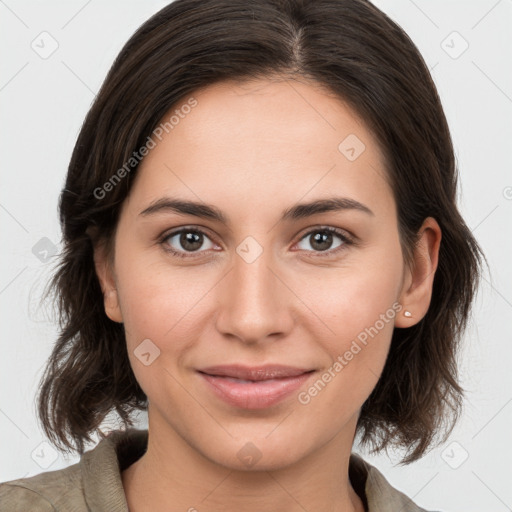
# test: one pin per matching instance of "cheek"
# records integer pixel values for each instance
(357, 306)
(361, 325)
(345, 301)
(165, 307)
(161, 302)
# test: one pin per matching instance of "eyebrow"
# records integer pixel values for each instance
(299, 211)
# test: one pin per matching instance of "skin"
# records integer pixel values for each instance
(253, 150)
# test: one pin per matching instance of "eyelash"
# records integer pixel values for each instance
(347, 241)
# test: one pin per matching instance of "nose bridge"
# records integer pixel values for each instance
(253, 303)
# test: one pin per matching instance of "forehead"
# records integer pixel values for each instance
(252, 141)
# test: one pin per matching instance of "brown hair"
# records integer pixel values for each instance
(354, 51)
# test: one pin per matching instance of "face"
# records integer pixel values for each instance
(251, 278)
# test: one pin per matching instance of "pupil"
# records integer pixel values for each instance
(320, 238)
(191, 241)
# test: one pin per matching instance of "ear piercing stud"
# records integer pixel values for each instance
(407, 313)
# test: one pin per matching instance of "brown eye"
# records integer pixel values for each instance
(323, 240)
(186, 241)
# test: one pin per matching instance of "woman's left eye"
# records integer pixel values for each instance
(322, 241)
(192, 240)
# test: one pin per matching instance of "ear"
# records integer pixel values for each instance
(106, 277)
(416, 291)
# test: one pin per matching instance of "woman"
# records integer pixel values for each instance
(262, 249)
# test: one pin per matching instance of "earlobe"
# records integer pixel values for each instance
(417, 290)
(106, 278)
(112, 309)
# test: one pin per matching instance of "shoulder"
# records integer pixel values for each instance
(50, 491)
(93, 483)
(380, 494)
(16, 497)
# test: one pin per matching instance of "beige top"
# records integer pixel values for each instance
(94, 483)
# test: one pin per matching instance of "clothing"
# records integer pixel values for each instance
(94, 483)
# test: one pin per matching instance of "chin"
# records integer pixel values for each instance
(254, 455)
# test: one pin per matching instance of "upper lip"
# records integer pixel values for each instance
(273, 371)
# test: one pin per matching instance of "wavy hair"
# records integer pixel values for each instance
(357, 53)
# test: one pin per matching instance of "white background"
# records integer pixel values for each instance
(43, 103)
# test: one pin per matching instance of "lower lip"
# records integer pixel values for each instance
(256, 394)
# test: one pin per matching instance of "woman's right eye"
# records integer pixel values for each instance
(185, 242)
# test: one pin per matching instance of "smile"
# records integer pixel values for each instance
(254, 387)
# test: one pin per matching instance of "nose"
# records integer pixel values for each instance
(255, 303)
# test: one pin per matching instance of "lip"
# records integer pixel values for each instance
(254, 387)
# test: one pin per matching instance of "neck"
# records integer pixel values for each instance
(172, 472)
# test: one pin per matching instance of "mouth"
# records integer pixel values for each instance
(256, 387)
